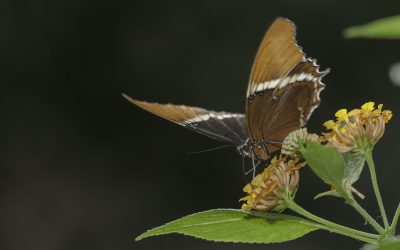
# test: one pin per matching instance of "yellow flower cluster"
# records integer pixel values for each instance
(268, 189)
(358, 128)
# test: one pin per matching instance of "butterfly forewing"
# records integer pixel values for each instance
(223, 126)
(277, 54)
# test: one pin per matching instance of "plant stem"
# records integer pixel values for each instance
(352, 202)
(371, 166)
(333, 227)
(395, 219)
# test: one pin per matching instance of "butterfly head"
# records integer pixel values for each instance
(245, 149)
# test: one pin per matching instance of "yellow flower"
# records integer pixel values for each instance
(330, 124)
(268, 190)
(368, 107)
(341, 115)
(357, 129)
(379, 110)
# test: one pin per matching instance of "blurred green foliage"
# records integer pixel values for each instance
(392, 245)
(385, 28)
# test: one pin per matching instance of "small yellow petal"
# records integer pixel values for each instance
(368, 107)
(273, 161)
(341, 114)
(378, 110)
(247, 189)
(245, 207)
(387, 115)
(258, 179)
(354, 112)
(329, 124)
(244, 198)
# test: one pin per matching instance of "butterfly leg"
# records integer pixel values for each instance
(244, 169)
(253, 168)
(255, 165)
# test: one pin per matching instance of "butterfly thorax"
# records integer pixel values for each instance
(261, 150)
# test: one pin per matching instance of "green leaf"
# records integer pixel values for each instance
(326, 162)
(229, 225)
(327, 193)
(388, 245)
(386, 28)
(354, 165)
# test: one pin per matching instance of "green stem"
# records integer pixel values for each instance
(333, 227)
(395, 219)
(352, 202)
(371, 166)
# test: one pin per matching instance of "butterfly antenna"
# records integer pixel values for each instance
(211, 149)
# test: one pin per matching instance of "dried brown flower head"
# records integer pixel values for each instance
(269, 189)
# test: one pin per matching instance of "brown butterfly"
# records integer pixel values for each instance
(283, 91)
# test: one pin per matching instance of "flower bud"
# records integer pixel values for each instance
(296, 140)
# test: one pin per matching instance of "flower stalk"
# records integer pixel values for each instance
(371, 166)
(352, 202)
(395, 220)
(333, 227)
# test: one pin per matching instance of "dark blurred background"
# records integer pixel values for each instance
(83, 169)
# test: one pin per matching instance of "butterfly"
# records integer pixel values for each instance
(283, 91)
